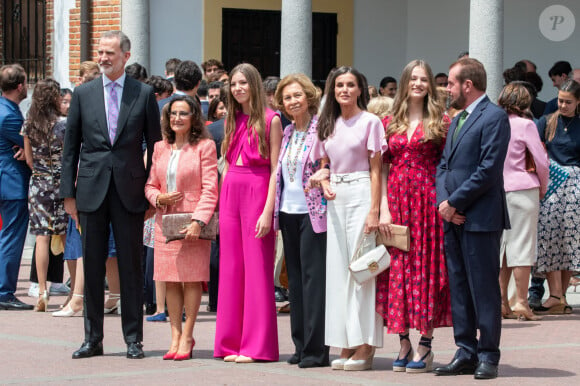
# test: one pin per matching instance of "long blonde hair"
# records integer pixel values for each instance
(257, 120)
(433, 109)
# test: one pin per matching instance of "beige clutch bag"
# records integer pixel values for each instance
(174, 223)
(400, 238)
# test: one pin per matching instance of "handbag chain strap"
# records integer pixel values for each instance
(360, 243)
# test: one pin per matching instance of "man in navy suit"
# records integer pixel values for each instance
(471, 201)
(14, 177)
(108, 120)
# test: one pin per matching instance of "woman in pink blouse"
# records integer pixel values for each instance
(183, 179)
(351, 142)
(246, 328)
(524, 189)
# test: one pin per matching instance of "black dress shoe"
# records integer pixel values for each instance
(88, 349)
(279, 295)
(485, 370)
(308, 363)
(294, 359)
(150, 309)
(14, 304)
(456, 367)
(135, 350)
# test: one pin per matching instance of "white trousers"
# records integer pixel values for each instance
(350, 318)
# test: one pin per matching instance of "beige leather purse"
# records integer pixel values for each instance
(174, 223)
(400, 238)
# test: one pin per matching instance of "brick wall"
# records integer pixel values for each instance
(104, 15)
(49, 37)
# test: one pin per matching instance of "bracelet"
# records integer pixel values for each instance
(157, 203)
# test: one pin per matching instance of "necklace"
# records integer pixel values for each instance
(567, 124)
(297, 140)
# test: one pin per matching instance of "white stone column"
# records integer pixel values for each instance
(296, 37)
(486, 41)
(135, 24)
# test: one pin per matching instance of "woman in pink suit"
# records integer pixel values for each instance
(183, 179)
(524, 188)
(246, 327)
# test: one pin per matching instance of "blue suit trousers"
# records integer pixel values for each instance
(12, 236)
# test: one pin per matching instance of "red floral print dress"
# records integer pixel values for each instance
(414, 292)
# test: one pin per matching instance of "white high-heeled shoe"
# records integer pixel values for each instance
(117, 307)
(338, 364)
(360, 364)
(42, 303)
(67, 311)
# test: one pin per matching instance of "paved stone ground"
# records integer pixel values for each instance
(36, 348)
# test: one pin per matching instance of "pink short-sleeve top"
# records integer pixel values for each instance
(349, 146)
(240, 145)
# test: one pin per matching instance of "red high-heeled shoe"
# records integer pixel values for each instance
(189, 355)
(169, 356)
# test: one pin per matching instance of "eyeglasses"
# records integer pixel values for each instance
(179, 114)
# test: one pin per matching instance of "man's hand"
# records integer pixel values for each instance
(458, 219)
(70, 206)
(446, 211)
(19, 153)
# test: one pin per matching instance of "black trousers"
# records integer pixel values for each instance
(148, 284)
(128, 233)
(473, 267)
(55, 272)
(305, 254)
(214, 273)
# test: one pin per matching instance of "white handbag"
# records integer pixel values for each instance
(369, 264)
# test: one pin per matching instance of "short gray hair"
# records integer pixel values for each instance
(124, 41)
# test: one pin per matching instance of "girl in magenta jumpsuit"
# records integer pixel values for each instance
(246, 328)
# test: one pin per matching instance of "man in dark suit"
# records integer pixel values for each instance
(14, 177)
(471, 200)
(108, 120)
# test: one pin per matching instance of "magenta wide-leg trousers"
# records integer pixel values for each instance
(246, 316)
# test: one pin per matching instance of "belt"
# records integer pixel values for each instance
(349, 177)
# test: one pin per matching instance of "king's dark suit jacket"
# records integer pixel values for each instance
(98, 159)
(110, 189)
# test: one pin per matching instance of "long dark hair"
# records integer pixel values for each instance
(44, 109)
(198, 130)
(331, 110)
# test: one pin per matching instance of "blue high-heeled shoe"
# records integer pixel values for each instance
(424, 364)
(400, 364)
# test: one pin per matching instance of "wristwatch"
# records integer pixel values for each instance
(201, 223)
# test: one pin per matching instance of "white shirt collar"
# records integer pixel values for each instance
(474, 104)
(120, 81)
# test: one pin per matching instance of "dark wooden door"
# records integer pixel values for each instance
(324, 31)
(24, 36)
(253, 36)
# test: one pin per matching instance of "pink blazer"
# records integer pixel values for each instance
(314, 198)
(196, 178)
(524, 135)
